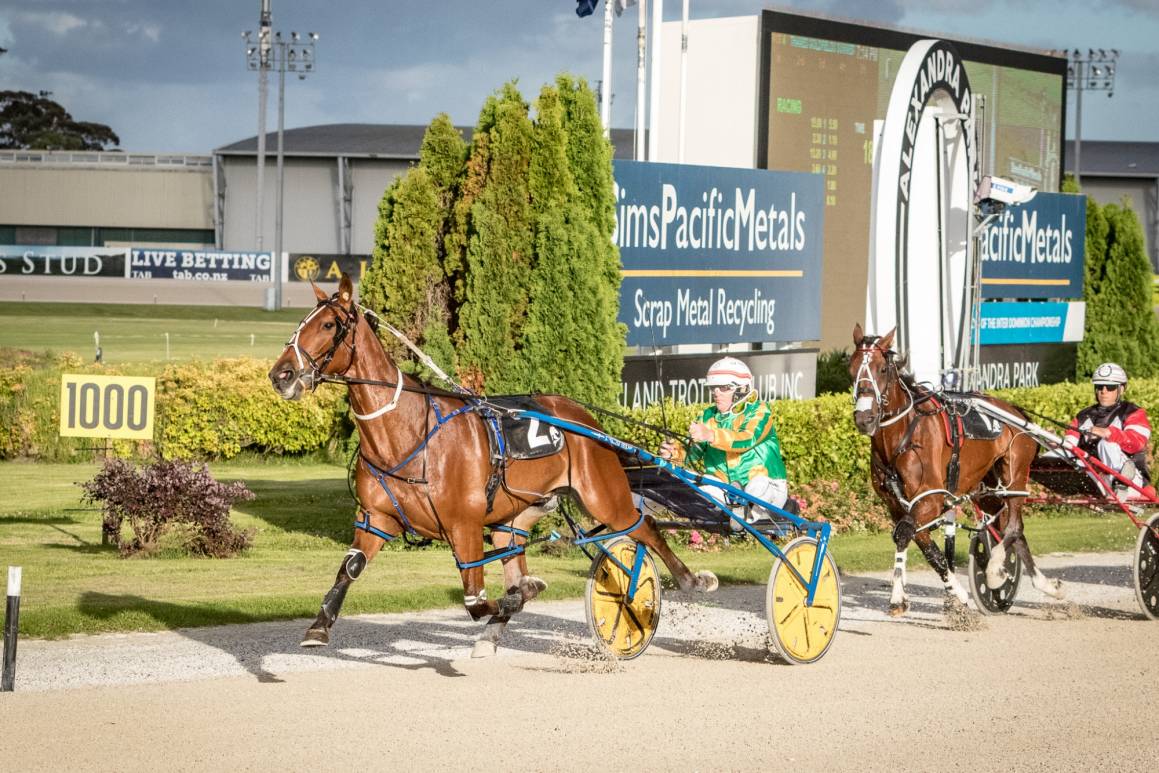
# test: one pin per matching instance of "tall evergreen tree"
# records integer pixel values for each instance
(499, 255)
(407, 281)
(1120, 323)
(572, 342)
(470, 187)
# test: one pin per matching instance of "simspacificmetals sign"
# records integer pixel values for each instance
(1036, 250)
(713, 255)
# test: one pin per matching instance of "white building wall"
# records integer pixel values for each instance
(720, 125)
(41, 193)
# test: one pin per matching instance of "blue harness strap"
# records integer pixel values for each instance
(503, 527)
(365, 525)
(594, 537)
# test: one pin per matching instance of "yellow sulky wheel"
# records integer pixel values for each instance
(799, 633)
(622, 628)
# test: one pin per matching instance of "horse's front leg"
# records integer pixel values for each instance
(937, 561)
(364, 547)
(903, 532)
(468, 545)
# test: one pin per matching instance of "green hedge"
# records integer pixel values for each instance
(203, 410)
(820, 441)
(215, 410)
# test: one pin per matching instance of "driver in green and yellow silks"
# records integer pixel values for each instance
(735, 440)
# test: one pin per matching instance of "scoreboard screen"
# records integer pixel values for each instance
(824, 83)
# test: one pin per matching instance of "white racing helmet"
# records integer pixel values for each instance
(729, 371)
(1110, 374)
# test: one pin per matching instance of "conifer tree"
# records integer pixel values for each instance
(1120, 324)
(407, 282)
(499, 255)
(572, 342)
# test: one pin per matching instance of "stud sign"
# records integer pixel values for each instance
(713, 255)
(119, 407)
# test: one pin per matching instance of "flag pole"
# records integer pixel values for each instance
(657, 77)
(606, 86)
(641, 77)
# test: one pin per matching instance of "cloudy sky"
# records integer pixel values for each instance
(170, 75)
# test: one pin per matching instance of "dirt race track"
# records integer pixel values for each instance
(1050, 686)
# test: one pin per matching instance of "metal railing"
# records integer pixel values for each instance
(107, 159)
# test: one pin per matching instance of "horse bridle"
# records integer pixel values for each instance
(876, 395)
(346, 320)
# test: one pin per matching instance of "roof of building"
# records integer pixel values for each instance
(1115, 159)
(368, 140)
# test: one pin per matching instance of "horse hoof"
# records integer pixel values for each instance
(706, 581)
(316, 637)
(483, 649)
(995, 580)
(531, 587)
(897, 610)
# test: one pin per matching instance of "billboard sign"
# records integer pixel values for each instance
(1026, 365)
(319, 267)
(1036, 250)
(107, 406)
(784, 375)
(85, 262)
(1031, 323)
(201, 265)
(713, 255)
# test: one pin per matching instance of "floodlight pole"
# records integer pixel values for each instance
(297, 56)
(1093, 71)
(263, 52)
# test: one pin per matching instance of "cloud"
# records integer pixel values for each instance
(1149, 7)
(56, 22)
(151, 32)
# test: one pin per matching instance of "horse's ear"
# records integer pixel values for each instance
(887, 340)
(858, 335)
(346, 291)
(318, 292)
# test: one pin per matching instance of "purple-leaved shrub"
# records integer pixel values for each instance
(155, 497)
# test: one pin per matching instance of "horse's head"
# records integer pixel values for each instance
(323, 343)
(872, 368)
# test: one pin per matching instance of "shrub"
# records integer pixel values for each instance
(168, 497)
(833, 372)
(848, 507)
(204, 410)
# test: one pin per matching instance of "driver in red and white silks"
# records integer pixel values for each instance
(736, 440)
(1114, 430)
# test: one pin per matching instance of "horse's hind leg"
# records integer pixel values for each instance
(703, 581)
(364, 548)
(1044, 584)
(517, 582)
(610, 502)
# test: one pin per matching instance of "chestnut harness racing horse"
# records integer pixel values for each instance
(426, 469)
(921, 467)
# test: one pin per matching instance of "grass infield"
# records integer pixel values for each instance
(131, 333)
(303, 517)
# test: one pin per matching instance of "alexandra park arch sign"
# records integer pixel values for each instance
(920, 246)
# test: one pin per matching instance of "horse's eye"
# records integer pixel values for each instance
(328, 326)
